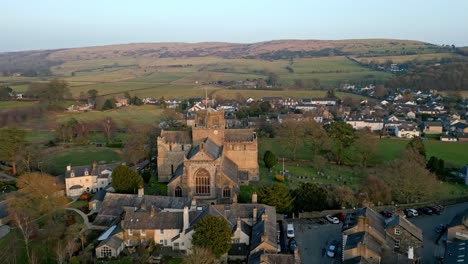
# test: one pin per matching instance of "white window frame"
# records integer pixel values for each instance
(130, 232)
(143, 232)
(397, 243)
(397, 231)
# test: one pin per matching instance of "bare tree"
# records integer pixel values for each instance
(200, 255)
(376, 190)
(366, 146)
(109, 127)
(27, 228)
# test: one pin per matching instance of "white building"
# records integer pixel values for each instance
(89, 179)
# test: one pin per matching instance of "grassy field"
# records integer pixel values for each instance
(408, 58)
(15, 104)
(78, 156)
(145, 114)
(453, 153)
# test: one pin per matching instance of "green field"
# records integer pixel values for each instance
(145, 114)
(454, 153)
(78, 156)
(15, 104)
(408, 58)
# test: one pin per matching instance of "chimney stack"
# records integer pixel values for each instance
(94, 165)
(141, 191)
(186, 219)
(264, 217)
(238, 224)
(254, 197)
(153, 211)
(194, 204)
(234, 198)
(68, 167)
(254, 215)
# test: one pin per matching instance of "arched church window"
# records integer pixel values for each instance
(178, 192)
(202, 182)
(172, 168)
(226, 192)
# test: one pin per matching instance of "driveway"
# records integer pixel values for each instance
(313, 237)
(427, 223)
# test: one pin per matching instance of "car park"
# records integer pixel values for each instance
(332, 248)
(290, 231)
(332, 219)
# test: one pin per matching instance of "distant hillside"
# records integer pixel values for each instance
(41, 61)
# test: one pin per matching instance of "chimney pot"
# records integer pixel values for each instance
(254, 215)
(254, 197)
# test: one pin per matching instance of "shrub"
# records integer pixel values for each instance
(279, 177)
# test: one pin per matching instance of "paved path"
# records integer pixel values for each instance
(85, 218)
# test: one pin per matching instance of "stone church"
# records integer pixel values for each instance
(209, 162)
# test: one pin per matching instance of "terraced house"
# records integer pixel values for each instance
(90, 178)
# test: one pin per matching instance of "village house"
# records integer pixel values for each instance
(80, 179)
(456, 248)
(121, 101)
(404, 130)
(253, 225)
(432, 127)
(368, 235)
(361, 122)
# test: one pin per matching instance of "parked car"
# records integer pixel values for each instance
(292, 245)
(411, 212)
(425, 210)
(440, 228)
(437, 209)
(386, 214)
(279, 249)
(341, 216)
(332, 248)
(290, 231)
(332, 219)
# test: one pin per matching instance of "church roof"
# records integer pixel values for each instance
(178, 173)
(229, 168)
(180, 137)
(213, 150)
(239, 135)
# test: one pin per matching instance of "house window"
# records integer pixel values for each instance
(236, 240)
(170, 147)
(245, 147)
(178, 192)
(161, 242)
(162, 231)
(130, 232)
(165, 242)
(397, 231)
(143, 232)
(182, 147)
(182, 243)
(397, 243)
(202, 182)
(226, 192)
(87, 189)
(106, 252)
(232, 147)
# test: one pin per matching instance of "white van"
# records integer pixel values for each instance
(290, 231)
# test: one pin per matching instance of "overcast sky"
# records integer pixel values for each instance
(51, 24)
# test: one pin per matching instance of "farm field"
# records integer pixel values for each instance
(145, 114)
(407, 58)
(15, 104)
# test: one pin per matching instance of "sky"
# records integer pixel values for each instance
(52, 24)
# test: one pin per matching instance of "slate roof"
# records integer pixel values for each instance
(99, 196)
(180, 137)
(177, 173)
(270, 258)
(114, 203)
(356, 260)
(353, 240)
(239, 135)
(229, 168)
(456, 252)
(375, 220)
(405, 224)
(80, 170)
(160, 220)
(238, 249)
(213, 150)
(112, 242)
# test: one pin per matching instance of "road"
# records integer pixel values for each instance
(428, 223)
(313, 238)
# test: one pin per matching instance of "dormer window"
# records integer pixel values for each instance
(72, 174)
(86, 173)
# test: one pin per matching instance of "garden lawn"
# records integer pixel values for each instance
(78, 156)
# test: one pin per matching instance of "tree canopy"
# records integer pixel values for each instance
(310, 197)
(342, 136)
(55, 91)
(276, 195)
(126, 180)
(270, 159)
(417, 145)
(214, 234)
(12, 140)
